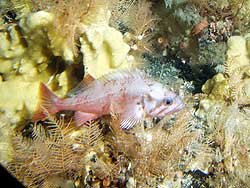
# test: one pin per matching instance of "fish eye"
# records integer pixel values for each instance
(168, 101)
(156, 120)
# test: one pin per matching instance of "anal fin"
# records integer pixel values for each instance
(82, 117)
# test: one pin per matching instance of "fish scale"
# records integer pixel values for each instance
(131, 94)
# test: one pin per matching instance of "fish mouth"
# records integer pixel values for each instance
(167, 111)
(161, 111)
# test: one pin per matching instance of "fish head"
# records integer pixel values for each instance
(160, 101)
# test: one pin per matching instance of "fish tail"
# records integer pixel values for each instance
(48, 103)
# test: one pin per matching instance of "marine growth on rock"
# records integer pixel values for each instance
(53, 50)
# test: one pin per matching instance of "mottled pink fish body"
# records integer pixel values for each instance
(132, 96)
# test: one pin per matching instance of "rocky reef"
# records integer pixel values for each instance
(225, 107)
(199, 49)
(32, 51)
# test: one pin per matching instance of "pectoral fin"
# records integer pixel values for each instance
(132, 116)
(82, 117)
(129, 123)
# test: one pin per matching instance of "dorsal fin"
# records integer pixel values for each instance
(83, 85)
(88, 79)
(124, 73)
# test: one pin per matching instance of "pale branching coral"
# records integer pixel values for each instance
(97, 45)
(238, 68)
(40, 47)
(69, 16)
(83, 24)
(26, 60)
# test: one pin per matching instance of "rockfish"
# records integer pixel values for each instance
(130, 94)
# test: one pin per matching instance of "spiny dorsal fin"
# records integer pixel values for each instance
(123, 74)
(88, 79)
(82, 86)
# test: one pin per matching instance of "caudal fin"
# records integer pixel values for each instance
(48, 103)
